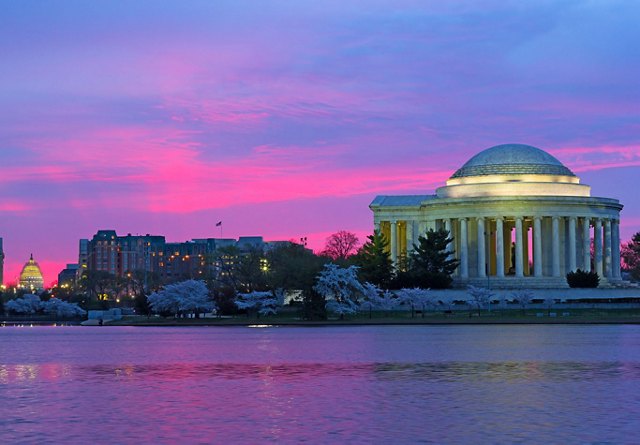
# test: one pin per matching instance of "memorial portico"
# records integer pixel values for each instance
(518, 217)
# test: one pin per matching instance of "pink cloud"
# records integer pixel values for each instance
(171, 173)
(585, 158)
(14, 206)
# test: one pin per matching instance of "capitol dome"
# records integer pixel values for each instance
(512, 159)
(31, 276)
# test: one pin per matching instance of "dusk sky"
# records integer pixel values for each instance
(286, 118)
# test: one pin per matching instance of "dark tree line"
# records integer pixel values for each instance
(290, 266)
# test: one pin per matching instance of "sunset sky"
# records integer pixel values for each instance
(286, 118)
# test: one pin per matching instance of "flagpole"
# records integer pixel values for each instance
(219, 224)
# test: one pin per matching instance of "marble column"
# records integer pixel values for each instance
(409, 234)
(376, 226)
(448, 228)
(464, 249)
(519, 249)
(422, 228)
(393, 242)
(537, 246)
(499, 247)
(481, 249)
(555, 246)
(607, 248)
(597, 246)
(586, 246)
(572, 244)
(615, 241)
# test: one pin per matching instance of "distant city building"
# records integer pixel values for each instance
(31, 276)
(83, 254)
(198, 258)
(67, 277)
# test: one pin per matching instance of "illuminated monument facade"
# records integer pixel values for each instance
(519, 218)
(31, 276)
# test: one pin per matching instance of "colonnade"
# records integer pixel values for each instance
(538, 246)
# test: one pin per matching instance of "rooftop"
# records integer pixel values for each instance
(512, 159)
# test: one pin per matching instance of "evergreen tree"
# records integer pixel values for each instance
(430, 265)
(374, 262)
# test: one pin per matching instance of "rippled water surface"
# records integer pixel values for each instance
(383, 384)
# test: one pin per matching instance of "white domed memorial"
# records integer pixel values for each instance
(518, 218)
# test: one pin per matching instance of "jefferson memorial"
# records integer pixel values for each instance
(518, 218)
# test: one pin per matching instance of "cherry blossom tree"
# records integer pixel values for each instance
(341, 289)
(31, 304)
(481, 296)
(264, 303)
(27, 304)
(377, 299)
(190, 296)
(61, 308)
(415, 297)
(549, 302)
(524, 298)
(630, 256)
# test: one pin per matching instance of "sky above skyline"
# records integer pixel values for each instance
(285, 119)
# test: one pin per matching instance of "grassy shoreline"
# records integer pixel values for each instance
(509, 317)
(266, 323)
(623, 316)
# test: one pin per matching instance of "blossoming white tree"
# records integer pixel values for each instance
(186, 297)
(31, 304)
(27, 304)
(60, 308)
(341, 288)
(549, 302)
(414, 298)
(264, 303)
(377, 299)
(524, 298)
(480, 295)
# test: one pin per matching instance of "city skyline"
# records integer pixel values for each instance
(285, 119)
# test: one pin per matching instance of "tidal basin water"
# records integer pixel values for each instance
(382, 384)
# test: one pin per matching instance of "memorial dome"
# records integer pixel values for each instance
(512, 159)
(516, 216)
(31, 275)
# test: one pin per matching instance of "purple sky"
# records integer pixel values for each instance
(286, 118)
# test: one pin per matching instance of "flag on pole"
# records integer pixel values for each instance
(219, 224)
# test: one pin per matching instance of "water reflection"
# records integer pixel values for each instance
(434, 372)
(542, 384)
(33, 372)
(509, 371)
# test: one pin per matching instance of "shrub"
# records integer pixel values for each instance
(580, 278)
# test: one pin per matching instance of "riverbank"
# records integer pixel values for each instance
(579, 316)
(601, 315)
